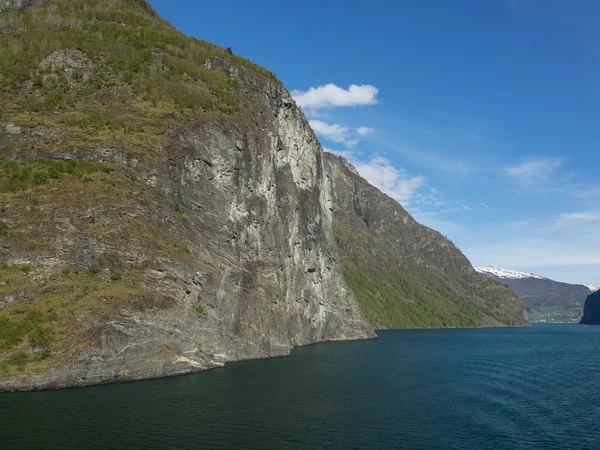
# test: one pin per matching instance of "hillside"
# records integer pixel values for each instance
(546, 300)
(166, 208)
(404, 274)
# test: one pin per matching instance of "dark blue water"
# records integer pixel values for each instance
(441, 389)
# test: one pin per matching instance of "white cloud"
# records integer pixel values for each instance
(352, 142)
(534, 170)
(364, 131)
(395, 182)
(431, 198)
(333, 132)
(331, 96)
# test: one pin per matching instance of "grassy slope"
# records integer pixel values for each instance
(397, 294)
(126, 74)
(49, 314)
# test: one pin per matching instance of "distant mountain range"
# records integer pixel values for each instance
(546, 300)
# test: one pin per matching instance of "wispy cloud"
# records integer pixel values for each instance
(395, 182)
(364, 131)
(532, 252)
(380, 172)
(458, 208)
(561, 243)
(574, 219)
(432, 197)
(331, 96)
(534, 170)
(338, 133)
(427, 159)
(332, 132)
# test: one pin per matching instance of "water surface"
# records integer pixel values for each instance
(434, 389)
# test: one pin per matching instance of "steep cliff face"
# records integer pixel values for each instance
(591, 309)
(405, 274)
(177, 240)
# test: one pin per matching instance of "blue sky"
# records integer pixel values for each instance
(481, 117)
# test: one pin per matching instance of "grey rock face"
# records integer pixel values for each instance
(264, 263)
(18, 5)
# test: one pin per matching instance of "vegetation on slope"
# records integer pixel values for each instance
(47, 318)
(92, 71)
(396, 294)
(49, 314)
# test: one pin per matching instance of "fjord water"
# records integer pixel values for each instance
(449, 389)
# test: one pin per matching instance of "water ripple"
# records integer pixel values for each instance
(429, 389)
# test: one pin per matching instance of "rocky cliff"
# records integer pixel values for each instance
(144, 237)
(591, 309)
(404, 274)
(165, 208)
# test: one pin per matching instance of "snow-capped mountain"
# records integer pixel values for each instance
(546, 300)
(505, 273)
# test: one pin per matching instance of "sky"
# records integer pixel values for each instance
(481, 117)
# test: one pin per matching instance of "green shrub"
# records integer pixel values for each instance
(19, 176)
(94, 268)
(55, 99)
(14, 332)
(38, 337)
(116, 276)
(19, 359)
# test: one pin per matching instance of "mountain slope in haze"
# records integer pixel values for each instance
(404, 274)
(165, 208)
(546, 300)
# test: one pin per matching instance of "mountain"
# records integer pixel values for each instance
(404, 274)
(166, 209)
(591, 310)
(546, 300)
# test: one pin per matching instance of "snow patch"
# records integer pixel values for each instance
(505, 273)
(592, 287)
